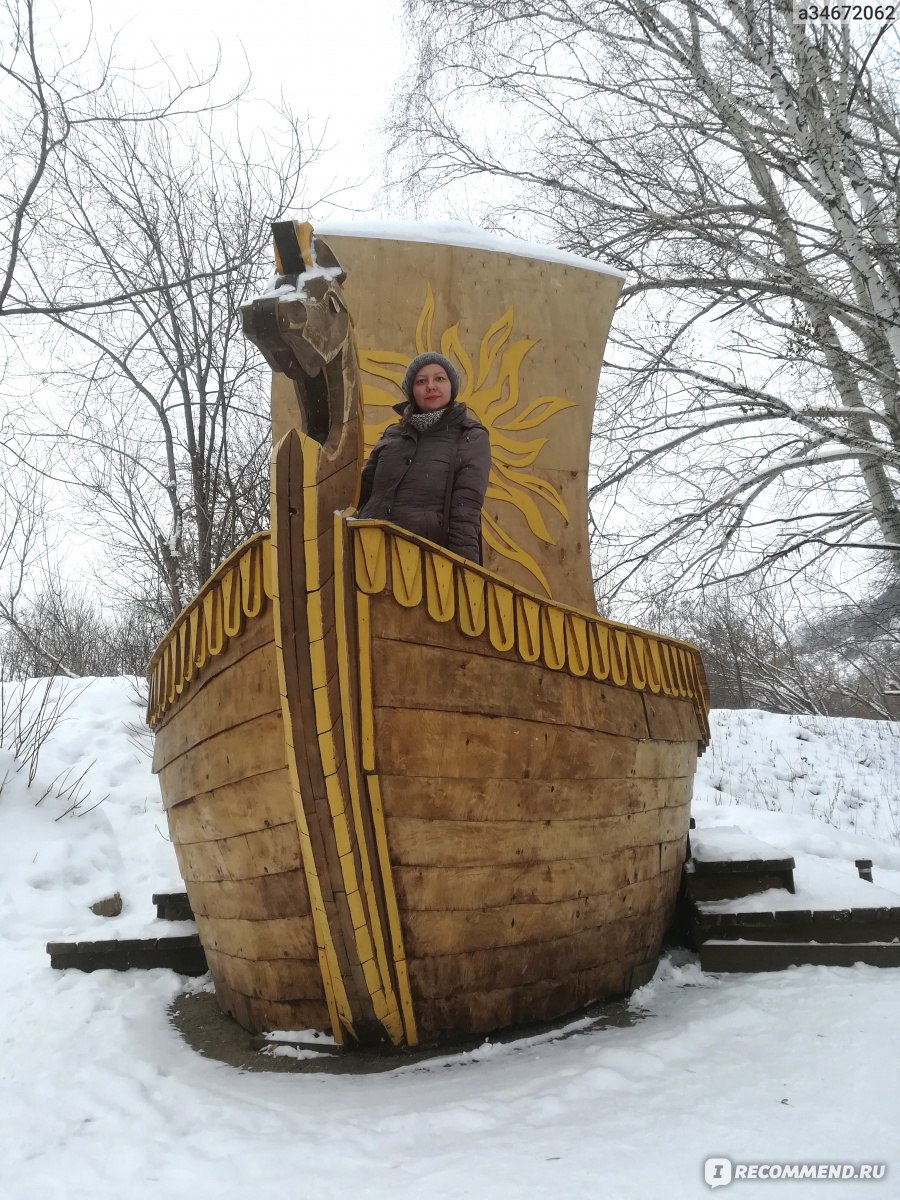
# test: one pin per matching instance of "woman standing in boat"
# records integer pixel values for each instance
(429, 472)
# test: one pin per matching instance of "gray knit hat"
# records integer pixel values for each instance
(423, 360)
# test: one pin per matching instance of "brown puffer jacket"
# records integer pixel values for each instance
(405, 479)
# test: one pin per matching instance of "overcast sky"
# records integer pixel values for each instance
(335, 61)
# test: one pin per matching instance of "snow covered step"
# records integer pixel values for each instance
(182, 954)
(735, 956)
(727, 863)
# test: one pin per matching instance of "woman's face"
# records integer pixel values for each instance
(431, 388)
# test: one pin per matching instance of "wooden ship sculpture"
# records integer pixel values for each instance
(413, 797)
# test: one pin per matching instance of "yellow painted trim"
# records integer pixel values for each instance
(336, 998)
(516, 620)
(392, 909)
(406, 573)
(440, 587)
(304, 233)
(366, 710)
(391, 1018)
(236, 593)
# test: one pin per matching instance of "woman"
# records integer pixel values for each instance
(429, 473)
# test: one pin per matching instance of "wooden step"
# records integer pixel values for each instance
(856, 925)
(173, 906)
(727, 863)
(182, 954)
(734, 956)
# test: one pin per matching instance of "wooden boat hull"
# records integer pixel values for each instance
(220, 755)
(489, 823)
(410, 797)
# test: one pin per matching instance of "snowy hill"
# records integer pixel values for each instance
(103, 1098)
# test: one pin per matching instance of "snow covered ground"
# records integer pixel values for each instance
(102, 1099)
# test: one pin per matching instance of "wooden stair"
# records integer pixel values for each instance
(183, 954)
(727, 864)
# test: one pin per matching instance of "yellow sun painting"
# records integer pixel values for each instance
(492, 392)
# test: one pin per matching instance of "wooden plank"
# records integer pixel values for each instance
(463, 930)
(267, 852)
(225, 759)
(257, 632)
(263, 898)
(510, 966)
(182, 954)
(259, 1016)
(172, 906)
(528, 799)
(670, 719)
(561, 310)
(482, 1012)
(442, 887)
(424, 742)
(282, 980)
(245, 806)
(415, 842)
(855, 926)
(733, 886)
(227, 702)
(404, 675)
(672, 854)
(285, 937)
(778, 956)
(311, 681)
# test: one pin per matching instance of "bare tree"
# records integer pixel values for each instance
(743, 171)
(50, 93)
(166, 424)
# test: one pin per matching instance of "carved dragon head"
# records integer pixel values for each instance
(302, 326)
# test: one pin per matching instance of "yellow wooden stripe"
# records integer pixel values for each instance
(339, 1011)
(304, 233)
(528, 628)
(329, 753)
(501, 617)
(439, 587)
(553, 637)
(366, 711)
(390, 1017)
(406, 573)
(393, 911)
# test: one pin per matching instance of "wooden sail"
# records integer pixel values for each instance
(412, 796)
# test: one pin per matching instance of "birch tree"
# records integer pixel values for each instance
(742, 170)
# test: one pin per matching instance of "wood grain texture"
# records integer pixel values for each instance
(279, 980)
(225, 759)
(498, 1008)
(220, 705)
(424, 742)
(246, 806)
(671, 720)
(261, 1016)
(247, 856)
(273, 939)
(257, 632)
(509, 967)
(405, 674)
(430, 798)
(265, 897)
(460, 931)
(441, 888)
(416, 842)
(561, 308)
